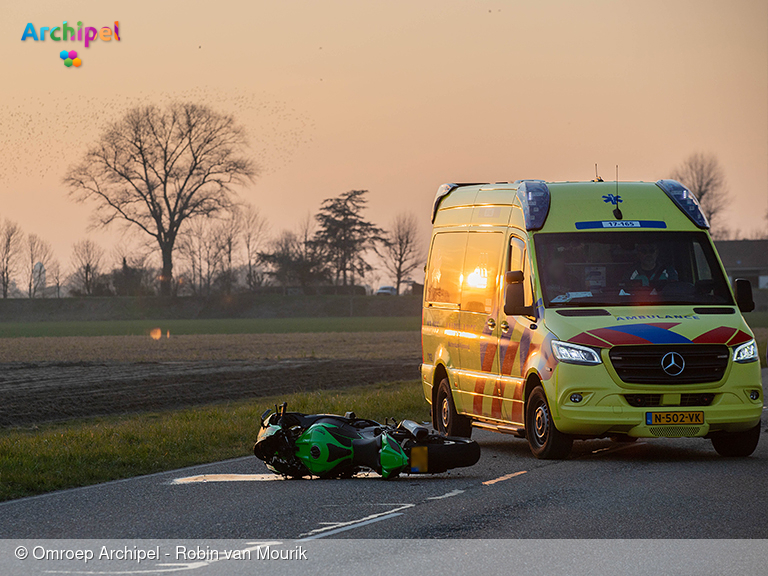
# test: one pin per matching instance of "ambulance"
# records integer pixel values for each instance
(559, 311)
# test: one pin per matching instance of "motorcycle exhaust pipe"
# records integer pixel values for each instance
(416, 430)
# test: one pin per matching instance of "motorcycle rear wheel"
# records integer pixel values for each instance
(444, 453)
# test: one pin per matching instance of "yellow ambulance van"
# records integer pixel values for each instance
(576, 310)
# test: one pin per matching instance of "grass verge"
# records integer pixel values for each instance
(83, 452)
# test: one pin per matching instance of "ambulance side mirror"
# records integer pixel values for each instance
(743, 290)
(514, 295)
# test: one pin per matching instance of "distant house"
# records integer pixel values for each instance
(415, 288)
(747, 259)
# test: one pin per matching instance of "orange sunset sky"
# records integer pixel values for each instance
(397, 96)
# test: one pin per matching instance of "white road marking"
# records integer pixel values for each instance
(336, 527)
(447, 495)
(167, 568)
(356, 525)
(505, 477)
(228, 478)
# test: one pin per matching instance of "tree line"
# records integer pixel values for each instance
(230, 253)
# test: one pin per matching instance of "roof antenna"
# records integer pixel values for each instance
(597, 176)
(617, 210)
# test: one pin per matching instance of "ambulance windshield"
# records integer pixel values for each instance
(611, 268)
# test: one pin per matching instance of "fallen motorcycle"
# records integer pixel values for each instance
(331, 446)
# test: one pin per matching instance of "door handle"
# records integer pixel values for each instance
(504, 326)
(491, 323)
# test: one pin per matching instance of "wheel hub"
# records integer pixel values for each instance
(541, 421)
(445, 413)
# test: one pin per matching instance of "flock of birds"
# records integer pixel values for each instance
(44, 135)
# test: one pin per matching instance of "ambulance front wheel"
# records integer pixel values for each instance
(737, 444)
(446, 419)
(545, 440)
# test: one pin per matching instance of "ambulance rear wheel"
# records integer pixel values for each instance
(446, 419)
(737, 444)
(545, 440)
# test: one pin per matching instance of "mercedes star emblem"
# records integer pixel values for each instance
(672, 363)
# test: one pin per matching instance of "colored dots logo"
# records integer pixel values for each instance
(70, 58)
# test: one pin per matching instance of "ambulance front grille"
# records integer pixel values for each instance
(643, 364)
(654, 400)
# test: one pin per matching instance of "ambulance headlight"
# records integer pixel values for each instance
(574, 353)
(747, 352)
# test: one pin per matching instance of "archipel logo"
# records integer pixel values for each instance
(66, 33)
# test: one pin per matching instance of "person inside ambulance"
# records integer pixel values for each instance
(558, 280)
(649, 272)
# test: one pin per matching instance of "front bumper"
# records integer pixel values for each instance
(604, 409)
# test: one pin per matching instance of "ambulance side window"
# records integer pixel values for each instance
(518, 260)
(481, 271)
(703, 271)
(443, 279)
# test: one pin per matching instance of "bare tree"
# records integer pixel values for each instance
(254, 233)
(294, 259)
(86, 266)
(155, 169)
(55, 275)
(227, 234)
(703, 175)
(11, 246)
(202, 248)
(402, 251)
(308, 249)
(38, 256)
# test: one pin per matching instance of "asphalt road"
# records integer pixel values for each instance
(662, 488)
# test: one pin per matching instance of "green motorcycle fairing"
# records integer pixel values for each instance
(325, 449)
(322, 451)
(392, 457)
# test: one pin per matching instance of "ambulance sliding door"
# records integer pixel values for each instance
(479, 334)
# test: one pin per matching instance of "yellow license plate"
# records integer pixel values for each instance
(419, 460)
(654, 418)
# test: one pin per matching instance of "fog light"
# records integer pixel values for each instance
(753, 395)
(576, 398)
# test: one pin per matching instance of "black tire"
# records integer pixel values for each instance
(445, 418)
(545, 440)
(737, 444)
(444, 453)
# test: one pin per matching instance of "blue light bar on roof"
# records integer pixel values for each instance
(685, 200)
(534, 199)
